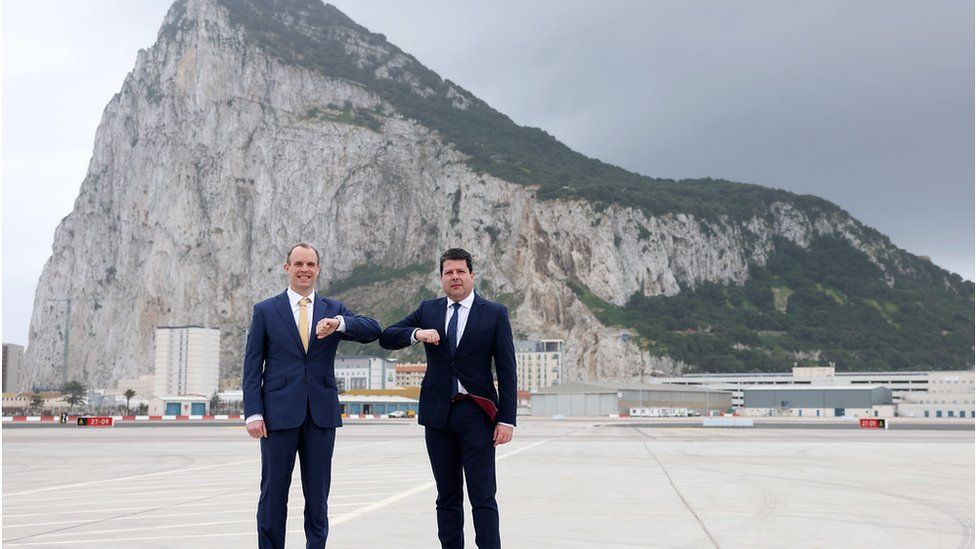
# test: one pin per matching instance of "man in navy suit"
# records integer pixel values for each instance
(464, 417)
(291, 402)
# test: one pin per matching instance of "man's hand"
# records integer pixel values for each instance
(256, 429)
(503, 434)
(326, 327)
(428, 336)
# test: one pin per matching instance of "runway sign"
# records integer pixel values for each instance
(98, 421)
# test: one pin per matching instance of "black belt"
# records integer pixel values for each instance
(459, 397)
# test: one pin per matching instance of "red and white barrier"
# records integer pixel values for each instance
(119, 419)
(73, 419)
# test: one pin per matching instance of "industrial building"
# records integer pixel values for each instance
(650, 399)
(818, 402)
(656, 399)
(901, 384)
(950, 394)
(382, 402)
(187, 360)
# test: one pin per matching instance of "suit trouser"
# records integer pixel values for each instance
(464, 446)
(314, 446)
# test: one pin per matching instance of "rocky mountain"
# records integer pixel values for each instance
(251, 125)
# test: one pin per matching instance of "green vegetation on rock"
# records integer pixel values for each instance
(829, 297)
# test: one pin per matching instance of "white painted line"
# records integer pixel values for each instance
(415, 490)
(298, 507)
(142, 487)
(291, 518)
(379, 504)
(55, 508)
(522, 449)
(27, 524)
(130, 477)
(143, 528)
(293, 532)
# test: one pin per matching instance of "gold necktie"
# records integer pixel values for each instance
(303, 321)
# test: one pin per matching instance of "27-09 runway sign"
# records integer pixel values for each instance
(98, 421)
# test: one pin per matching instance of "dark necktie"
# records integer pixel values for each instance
(452, 329)
(452, 344)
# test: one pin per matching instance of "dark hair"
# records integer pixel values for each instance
(302, 245)
(456, 253)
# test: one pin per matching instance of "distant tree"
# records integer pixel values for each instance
(75, 392)
(214, 402)
(129, 393)
(36, 401)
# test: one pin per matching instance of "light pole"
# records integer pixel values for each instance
(641, 389)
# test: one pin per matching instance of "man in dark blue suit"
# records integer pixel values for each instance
(463, 415)
(291, 402)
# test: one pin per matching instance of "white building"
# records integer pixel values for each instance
(13, 354)
(354, 373)
(901, 384)
(950, 394)
(187, 360)
(179, 405)
(538, 363)
(144, 386)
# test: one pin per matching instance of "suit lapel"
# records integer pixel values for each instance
(440, 317)
(318, 313)
(288, 317)
(474, 315)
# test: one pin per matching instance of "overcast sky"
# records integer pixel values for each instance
(868, 104)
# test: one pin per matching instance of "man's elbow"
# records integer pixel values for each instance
(388, 340)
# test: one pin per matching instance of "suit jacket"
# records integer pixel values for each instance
(487, 337)
(281, 381)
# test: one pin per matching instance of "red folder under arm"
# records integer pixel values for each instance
(487, 405)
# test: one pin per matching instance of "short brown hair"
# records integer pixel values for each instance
(457, 253)
(302, 245)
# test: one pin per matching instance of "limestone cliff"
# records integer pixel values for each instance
(218, 154)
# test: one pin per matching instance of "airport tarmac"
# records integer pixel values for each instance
(562, 484)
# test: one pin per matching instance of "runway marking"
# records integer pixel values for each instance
(137, 497)
(364, 507)
(157, 473)
(130, 477)
(682, 498)
(415, 490)
(294, 531)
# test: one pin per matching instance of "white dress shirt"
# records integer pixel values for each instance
(463, 311)
(294, 299)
